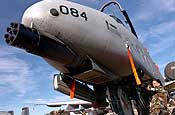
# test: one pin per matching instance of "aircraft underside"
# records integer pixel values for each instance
(123, 98)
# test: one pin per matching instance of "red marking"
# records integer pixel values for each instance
(157, 69)
(146, 49)
(96, 105)
(72, 90)
(147, 77)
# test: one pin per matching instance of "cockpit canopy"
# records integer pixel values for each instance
(118, 14)
(117, 19)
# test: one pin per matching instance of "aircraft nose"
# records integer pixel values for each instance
(33, 15)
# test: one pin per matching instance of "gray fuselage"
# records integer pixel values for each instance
(92, 33)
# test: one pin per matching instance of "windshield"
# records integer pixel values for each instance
(118, 14)
(117, 19)
(115, 14)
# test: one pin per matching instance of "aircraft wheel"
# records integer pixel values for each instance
(121, 103)
(139, 105)
(136, 108)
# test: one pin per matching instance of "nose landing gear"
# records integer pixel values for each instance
(123, 103)
(120, 101)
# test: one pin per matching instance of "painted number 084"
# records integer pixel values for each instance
(74, 12)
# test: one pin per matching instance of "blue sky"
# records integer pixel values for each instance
(27, 79)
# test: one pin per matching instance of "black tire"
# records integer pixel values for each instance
(120, 102)
(140, 104)
(137, 109)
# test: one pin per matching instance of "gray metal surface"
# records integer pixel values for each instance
(91, 37)
(170, 71)
(25, 111)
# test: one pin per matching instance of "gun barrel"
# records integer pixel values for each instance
(33, 42)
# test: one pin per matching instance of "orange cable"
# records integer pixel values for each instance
(133, 67)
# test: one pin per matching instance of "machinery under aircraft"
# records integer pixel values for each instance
(89, 47)
(73, 107)
(77, 107)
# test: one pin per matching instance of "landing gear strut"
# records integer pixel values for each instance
(141, 103)
(123, 102)
(120, 101)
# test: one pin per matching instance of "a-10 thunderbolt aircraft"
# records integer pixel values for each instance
(89, 47)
